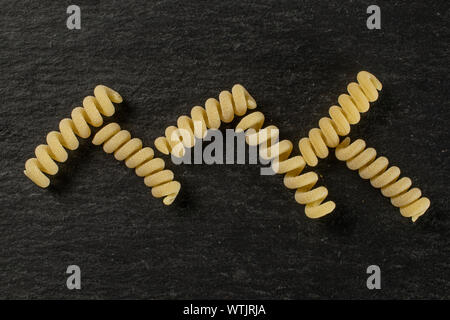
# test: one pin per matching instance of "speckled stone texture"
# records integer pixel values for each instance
(231, 233)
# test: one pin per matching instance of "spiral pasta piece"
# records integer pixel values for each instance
(69, 128)
(358, 157)
(341, 117)
(182, 136)
(141, 159)
(292, 167)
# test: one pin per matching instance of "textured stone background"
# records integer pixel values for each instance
(231, 233)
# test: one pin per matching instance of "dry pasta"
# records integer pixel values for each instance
(338, 124)
(291, 167)
(69, 128)
(141, 159)
(358, 157)
(216, 111)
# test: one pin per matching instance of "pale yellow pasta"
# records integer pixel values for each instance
(141, 159)
(358, 157)
(292, 167)
(69, 128)
(216, 111)
(341, 117)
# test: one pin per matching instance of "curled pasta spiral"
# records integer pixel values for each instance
(69, 128)
(410, 201)
(338, 124)
(141, 159)
(216, 111)
(291, 167)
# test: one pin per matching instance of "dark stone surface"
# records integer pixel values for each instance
(231, 233)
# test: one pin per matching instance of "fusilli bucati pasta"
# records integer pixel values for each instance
(141, 159)
(69, 128)
(381, 176)
(279, 151)
(201, 119)
(341, 117)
